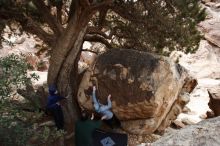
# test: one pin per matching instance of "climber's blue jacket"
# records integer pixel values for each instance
(53, 98)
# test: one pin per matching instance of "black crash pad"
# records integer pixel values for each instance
(104, 138)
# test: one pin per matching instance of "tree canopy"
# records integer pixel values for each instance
(157, 26)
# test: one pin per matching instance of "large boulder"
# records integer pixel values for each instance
(205, 133)
(148, 91)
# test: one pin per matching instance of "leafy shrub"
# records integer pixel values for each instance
(13, 75)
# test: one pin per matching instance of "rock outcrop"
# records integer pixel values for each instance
(214, 102)
(211, 29)
(205, 133)
(148, 91)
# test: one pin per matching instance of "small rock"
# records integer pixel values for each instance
(188, 121)
(177, 124)
(217, 5)
(20, 40)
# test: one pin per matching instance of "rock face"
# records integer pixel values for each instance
(211, 29)
(205, 133)
(214, 102)
(148, 91)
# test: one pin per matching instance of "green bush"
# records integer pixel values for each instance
(13, 75)
(14, 130)
(16, 125)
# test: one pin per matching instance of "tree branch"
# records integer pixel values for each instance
(85, 3)
(126, 15)
(95, 30)
(73, 7)
(7, 14)
(97, 38)
(104, 3)
(55, 26)
(28, 25)
(59, 11)
(102, 14)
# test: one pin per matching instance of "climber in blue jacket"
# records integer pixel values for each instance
(53, 105)
(105, 110)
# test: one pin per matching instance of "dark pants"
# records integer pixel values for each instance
(58, 117)
(114, 122)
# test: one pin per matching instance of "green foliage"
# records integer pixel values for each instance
(159, 26)
(48, 135)
(16, 125)
(13, 131)
(13, 75)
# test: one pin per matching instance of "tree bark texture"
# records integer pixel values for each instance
(62, 71)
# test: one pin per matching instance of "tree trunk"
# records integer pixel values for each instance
(62, 71)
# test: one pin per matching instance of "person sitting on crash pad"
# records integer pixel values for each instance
(107, 115)
(84, 129)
